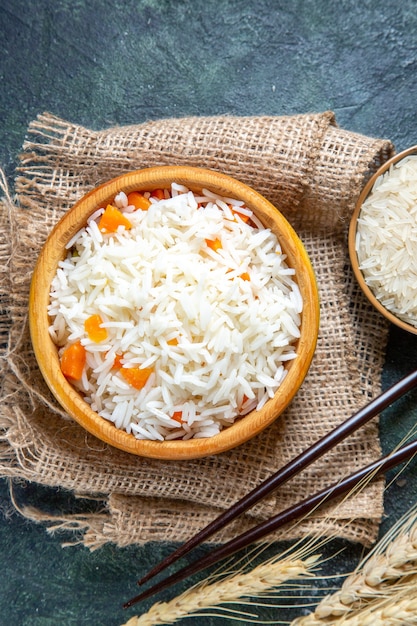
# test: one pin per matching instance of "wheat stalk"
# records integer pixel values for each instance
(255, 583)
(398, 607)
(399, 560)
(385, 575)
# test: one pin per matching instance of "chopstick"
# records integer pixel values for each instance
(404, 453)
(291, 469)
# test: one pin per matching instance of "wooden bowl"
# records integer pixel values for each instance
(46, 352)
(366, 191)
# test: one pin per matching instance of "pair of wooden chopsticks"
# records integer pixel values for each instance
(273, 482)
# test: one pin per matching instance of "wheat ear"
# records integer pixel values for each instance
(255, 583)
(382, 573)
(398, 607)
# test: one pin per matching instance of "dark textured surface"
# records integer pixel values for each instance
(104, 63)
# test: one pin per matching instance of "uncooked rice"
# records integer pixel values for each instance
(386, 239)
(216, 327)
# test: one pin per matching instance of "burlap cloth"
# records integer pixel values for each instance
(313, 172)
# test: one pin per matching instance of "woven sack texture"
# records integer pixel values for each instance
(312, 171)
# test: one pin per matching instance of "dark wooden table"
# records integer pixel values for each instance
(101, 63)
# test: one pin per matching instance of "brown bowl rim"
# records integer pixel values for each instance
(243, 429)
(352, 240)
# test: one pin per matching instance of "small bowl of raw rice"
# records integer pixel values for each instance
(174, 312)
(383, 240)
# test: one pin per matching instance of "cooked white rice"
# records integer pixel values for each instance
(386, 240)
(160, 282)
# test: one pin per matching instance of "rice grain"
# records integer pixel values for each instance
(217, 326)
(386, 240)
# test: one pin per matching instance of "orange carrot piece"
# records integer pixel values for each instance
(214, 244)
(92, 326)
(158, 193)
(136, 376)
(138, 200)
(243, 217)
(172, 342)
(245, 276)
(177, 416)
(111, 219)
(73, 361)
(117, 363)
(244, 400)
